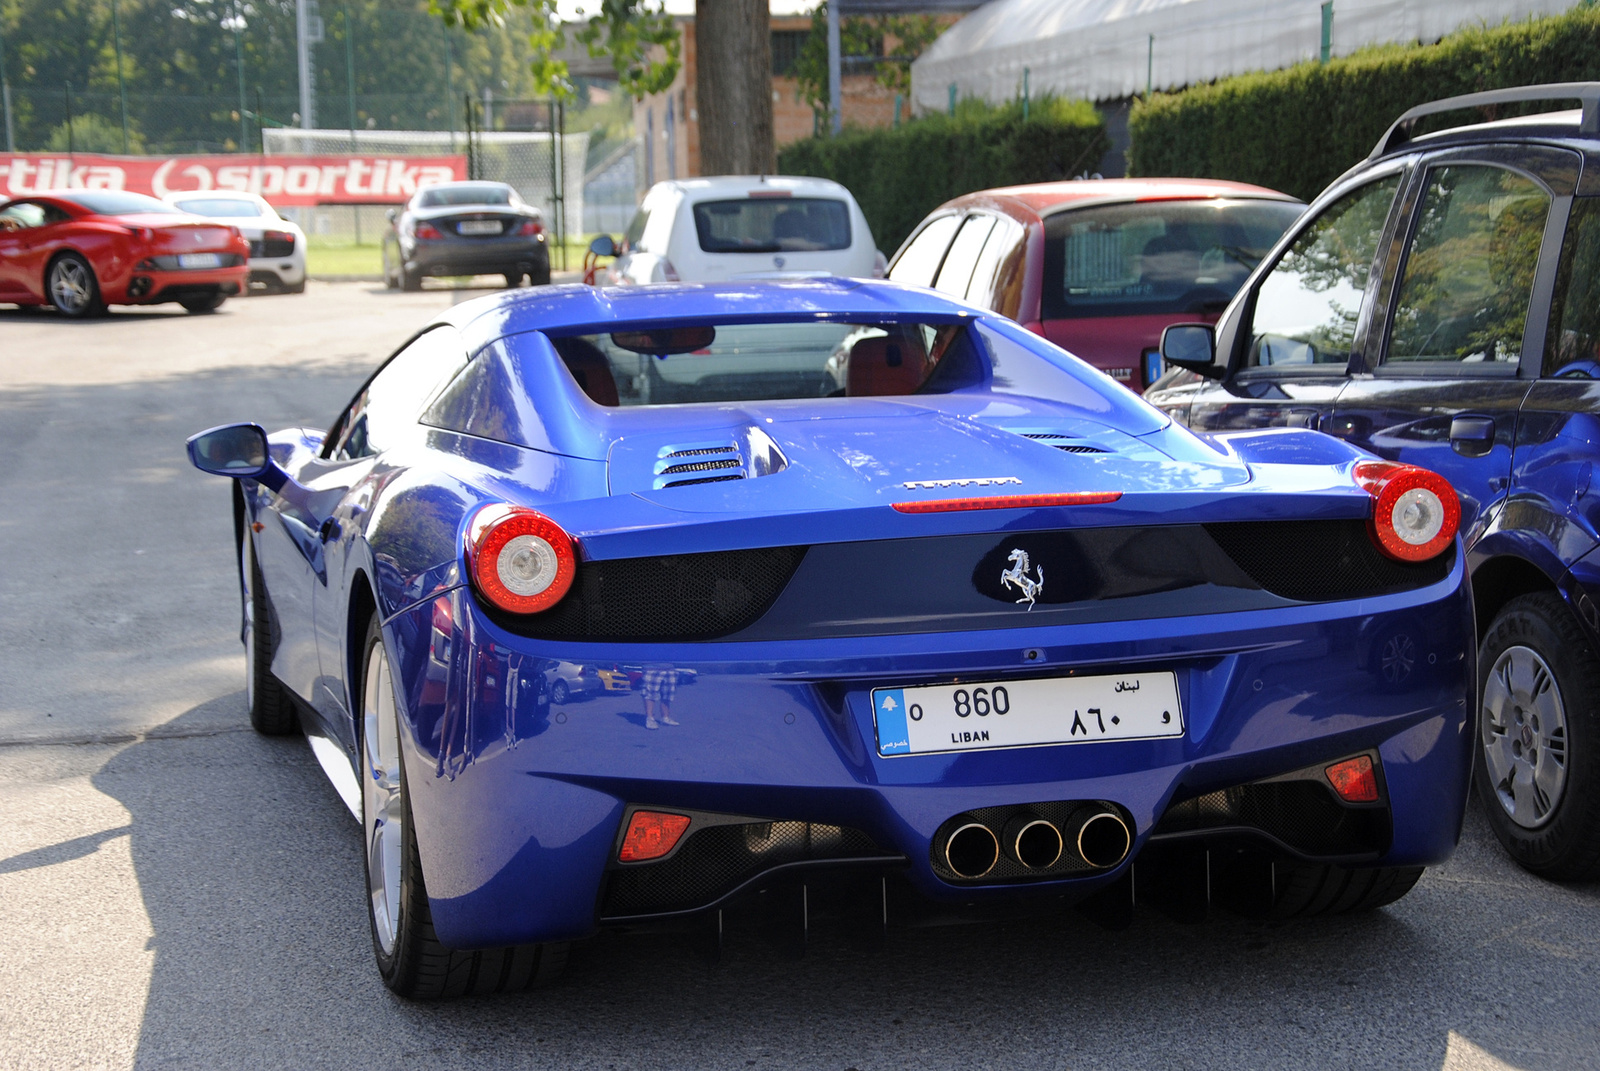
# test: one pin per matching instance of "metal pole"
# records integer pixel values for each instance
(555, 181)
(122, 89)
(5, 97)
(1025, 73)
(899, 102)
(835, 80)
(302, 28)
(1150, 67)
(69, 120)
(952, 98)
(350, 73)
(238, 61)
(561, 178)
(261, 128)
(450, 87)
(1327, 30)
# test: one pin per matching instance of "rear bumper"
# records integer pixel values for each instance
(491, 256)
(155, 287)
(519, 802)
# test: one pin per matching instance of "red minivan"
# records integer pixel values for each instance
(1099, 266)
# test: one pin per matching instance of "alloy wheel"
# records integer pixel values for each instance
(383, 806)
(1524, 727)
(70, 286)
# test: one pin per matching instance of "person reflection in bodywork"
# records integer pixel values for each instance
(660, 682)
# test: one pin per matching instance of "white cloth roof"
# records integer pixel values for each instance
(1098, 49)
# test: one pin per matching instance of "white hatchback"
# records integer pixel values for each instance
(744, 227)
(277, 246)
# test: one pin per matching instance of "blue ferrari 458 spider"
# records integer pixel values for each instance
(604, 607)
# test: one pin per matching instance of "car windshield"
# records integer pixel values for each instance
(1156, 257)
(221, 206)
(445, 196)
(772, 225)
(756, 362)
(117, 203)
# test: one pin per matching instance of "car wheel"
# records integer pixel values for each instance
(72, 287)
(560, 692)
(409, 281)
(513, 281)
(295, 288)
(1538, 762)
(410, 958)
(202, 303)
(541, 278)
(272, 712)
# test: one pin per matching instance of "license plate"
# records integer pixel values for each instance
(478, 226)
(996, 714)
(199, 260)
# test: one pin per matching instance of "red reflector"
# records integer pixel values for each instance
(952, 505)
(651, 835)
(1354, 780)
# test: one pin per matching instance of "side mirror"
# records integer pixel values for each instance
(1191, 346)
(237, 450)
(603, 246)
(392, 215)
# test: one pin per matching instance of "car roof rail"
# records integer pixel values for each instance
(1586, 93)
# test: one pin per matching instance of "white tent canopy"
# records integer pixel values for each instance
(1099, 49)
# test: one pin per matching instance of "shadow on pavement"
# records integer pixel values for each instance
(250, 871)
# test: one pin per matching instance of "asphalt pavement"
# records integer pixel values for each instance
(176, 891)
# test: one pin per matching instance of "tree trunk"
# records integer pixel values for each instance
(733, 86)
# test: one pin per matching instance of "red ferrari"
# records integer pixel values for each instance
(81, 250)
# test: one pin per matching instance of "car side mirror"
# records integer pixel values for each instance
(391, 215)
(237, 450)
(603, 246)
(1191, 346)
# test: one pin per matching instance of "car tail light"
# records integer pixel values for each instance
(668, 272)
(1355, 780)
(428, 232)
(651, 834)
(952, 505)
(519, 560)
(277, 236)
(144, 234)
(530, 228)
(1415, 512)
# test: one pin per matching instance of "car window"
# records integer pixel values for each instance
(445, 196)
(1307, 306)
(1572, 344)
(955, 274)
(990, 275)
(392, 399)
(1156, 257)
(20, 217)
(772, 225)
(920, 261)
(220, 206)
(1468, 274)
(117, 203)
(630, 240)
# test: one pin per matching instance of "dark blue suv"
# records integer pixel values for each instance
(1439, 305)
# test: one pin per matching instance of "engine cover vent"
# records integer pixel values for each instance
(750, 455)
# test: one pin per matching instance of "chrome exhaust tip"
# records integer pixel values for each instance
(1033, 842)
(1102, 837)
(971, 851)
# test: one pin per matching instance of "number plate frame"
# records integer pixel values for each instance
(199, 261)
(1040, 712)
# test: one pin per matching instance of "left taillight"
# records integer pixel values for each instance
(519, 560)
(1415, 512)
(529, 228)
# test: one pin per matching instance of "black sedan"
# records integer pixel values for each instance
(465, 228)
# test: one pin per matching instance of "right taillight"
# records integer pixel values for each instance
(519, 560)
(1415, 512)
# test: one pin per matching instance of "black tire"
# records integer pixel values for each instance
(513, 280)
(272, 712)
(1565, 844)
(73, 288)
(409, 281)
(199, 304)
(295, 288)
(540, 277)
(1302, 890)
(419, 967)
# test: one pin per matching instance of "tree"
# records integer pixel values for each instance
(733, 86)
(629, 31)
(890, 42)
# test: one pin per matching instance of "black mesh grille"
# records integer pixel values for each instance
(277, 247)
(716, 860)
(675, 597)
(1302, 814)
(703, 466)
(702, 450)
(1319, 561)
(703, 479)
(1078, 449)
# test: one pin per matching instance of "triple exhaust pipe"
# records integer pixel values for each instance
(1095, 834)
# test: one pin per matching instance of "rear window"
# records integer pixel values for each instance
(772, 225)
(220, 206)
(1156, 257)
(444, 196)
(116, 202)
(758, 362)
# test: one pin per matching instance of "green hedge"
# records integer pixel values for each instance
(1299, 128)
(900, 175)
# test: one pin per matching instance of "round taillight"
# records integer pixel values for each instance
(1415, 512)
(520, 560)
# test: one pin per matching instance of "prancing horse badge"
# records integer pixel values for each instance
(1017, 577)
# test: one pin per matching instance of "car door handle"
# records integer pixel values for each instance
(1472, 436)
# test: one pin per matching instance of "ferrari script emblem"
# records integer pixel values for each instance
(1017, 577)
